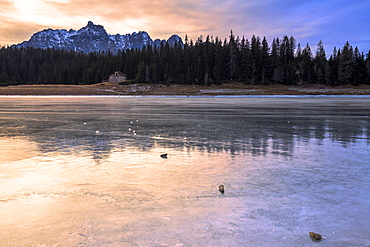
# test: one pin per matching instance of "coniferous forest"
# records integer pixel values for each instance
(203, 62)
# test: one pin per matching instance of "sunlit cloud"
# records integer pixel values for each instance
(159, 18)
(6, 5)
(333, 21)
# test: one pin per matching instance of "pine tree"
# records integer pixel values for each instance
(320, 63)
(4, 79)
(220, 70)
(367, 69)
(287, 59)
(245, 61)
(256, 59)
(265, 63)
(359, 73)
(306, 68)
(346, 64)
(333, 64)
(232, 55)
(141, 73)
(276, 67)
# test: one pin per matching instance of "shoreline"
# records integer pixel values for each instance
(228, 89)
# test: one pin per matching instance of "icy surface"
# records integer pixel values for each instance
(87, 171)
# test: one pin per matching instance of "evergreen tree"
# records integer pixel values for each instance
(232, 55)
(306, 68)
(276, 66)
(359, 67)
(346, 65)
(320, 64)
(367, 69)
(265, 63)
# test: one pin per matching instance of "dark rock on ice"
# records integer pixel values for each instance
(315, 236)
(221, 188)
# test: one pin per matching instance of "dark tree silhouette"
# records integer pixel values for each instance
(203, 62)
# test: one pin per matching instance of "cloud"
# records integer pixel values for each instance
(20, 19)
(6, 6)
(12, 31)
(159, 18)
(332, 21)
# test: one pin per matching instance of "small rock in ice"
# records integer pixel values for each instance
(221, 188)
(315, 236)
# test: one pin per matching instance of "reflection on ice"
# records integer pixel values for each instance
(238, 125)
(286, 171)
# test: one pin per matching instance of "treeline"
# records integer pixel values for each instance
(203, 62)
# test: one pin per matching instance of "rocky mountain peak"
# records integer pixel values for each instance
(175, 39)
(92, 28)
(92, 38)
(90, 24)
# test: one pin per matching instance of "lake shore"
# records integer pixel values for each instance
(186, 90)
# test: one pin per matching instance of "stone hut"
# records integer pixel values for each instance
(117, 77)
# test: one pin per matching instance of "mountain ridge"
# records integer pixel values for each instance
(93, 38)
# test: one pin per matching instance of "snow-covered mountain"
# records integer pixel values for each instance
(93, 38)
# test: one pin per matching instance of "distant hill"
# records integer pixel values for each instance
(93, 38)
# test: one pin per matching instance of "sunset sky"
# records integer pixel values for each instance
(332, 21)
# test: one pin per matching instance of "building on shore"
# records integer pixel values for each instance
(116, 77)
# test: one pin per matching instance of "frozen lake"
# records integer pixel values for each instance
(87, 171)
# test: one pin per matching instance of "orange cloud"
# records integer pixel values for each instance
(160, 18)
(13, 31)
(305, 20)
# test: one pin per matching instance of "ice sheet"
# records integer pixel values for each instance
(87, 171)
